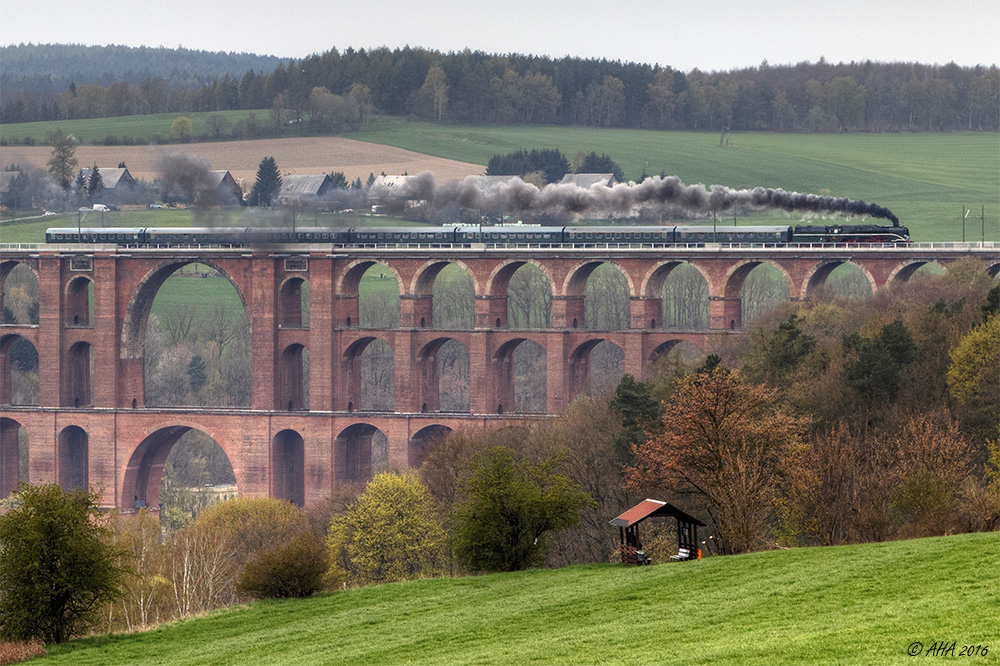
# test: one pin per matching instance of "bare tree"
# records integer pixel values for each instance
(529, 299)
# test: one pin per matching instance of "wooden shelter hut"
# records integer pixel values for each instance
(628, 527)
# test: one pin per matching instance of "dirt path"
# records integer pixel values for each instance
(311, 155)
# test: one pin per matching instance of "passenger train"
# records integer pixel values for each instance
(474, 235)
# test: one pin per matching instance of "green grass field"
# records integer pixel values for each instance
(924, 178)
(864, 604)
(144, 128)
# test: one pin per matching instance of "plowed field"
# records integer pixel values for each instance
(295, 156)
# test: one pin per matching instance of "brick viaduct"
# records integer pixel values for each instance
(91, 425)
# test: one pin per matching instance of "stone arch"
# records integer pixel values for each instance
(508, 376)
(580, 380)
(292, 385)
(819, 273)
(496, 283)
(72, 458)
(687, 350)
(421, 440)
(12, 456)
(433, 371)
(422, 283)
(576, 278)
(358, 384)
(78, 305)
(611, 311)
(293, 302)
(652, 282)
(905, 270)
(144, 470)
(733, 310)
(5, 269)
(141, 301)
(78, 388)
(352, 310)
(358, 454)
(675, 304)
(739, 271)
(288, 465)
(350, 276)
(16, 354)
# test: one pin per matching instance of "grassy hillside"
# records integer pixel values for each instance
(847, 605)
(924, 178)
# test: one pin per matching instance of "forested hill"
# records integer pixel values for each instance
(52, 68)
(472, 87)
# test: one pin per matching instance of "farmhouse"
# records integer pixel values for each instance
(113, 178)
(220, 188)
(304, 189)
(589, 179)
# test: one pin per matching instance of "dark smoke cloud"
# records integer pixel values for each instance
(516, 196)
(183, 174)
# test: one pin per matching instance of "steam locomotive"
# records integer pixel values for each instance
(474, 235)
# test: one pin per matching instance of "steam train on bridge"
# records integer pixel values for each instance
(467, 236)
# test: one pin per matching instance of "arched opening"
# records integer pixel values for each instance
(377, 377)
(425, 439)
(839, 279)
(72, 458)
(292, 385)
(753, 288)
(596, 366)
(13, 455)
(597, 297)
(18, 371)
(288, 464)
(378, 298)
(671, 357)
(444, 376)
(917, 269)
(79, 370)
(293, 307)
(529, 298)
(453, 303)
(18, 294)
(519, 374)
(177, 471)
(195, 338)
(359, 452)
(79, 302)
(684, 294)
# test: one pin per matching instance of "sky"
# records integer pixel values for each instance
(708, 35)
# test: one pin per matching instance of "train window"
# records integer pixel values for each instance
(590, 236)
(520, 235)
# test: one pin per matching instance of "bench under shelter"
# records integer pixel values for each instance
(628, 527)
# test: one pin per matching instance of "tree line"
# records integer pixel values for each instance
(473, 87)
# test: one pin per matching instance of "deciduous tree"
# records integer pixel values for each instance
(728, 441)
(390, 533)
(510, 507)
(57, 567)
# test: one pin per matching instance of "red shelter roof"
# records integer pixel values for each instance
(651, 507)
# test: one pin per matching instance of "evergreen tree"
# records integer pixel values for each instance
(95, 183)
(594, 163)
(196, 373)
(63, 162)
(339, 180)
(268, 183)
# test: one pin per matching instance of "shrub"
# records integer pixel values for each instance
(13, 653)
(294, 569)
